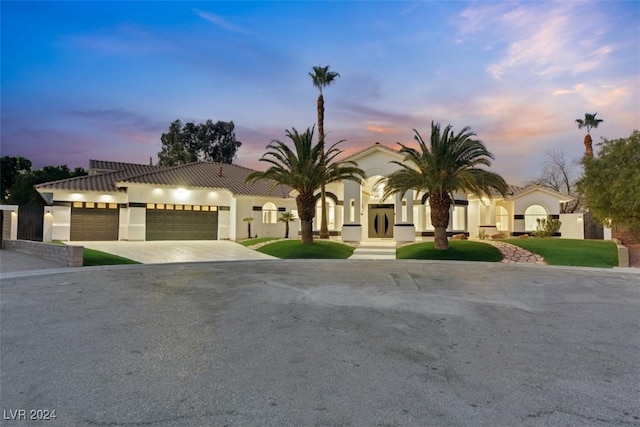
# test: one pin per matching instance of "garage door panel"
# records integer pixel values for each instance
(94, 224)
(181, 225)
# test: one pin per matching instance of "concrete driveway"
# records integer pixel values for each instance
(177, 250)
(303, 343)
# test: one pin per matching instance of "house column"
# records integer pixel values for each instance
(351, 226)
(409, 198)
(403, 229)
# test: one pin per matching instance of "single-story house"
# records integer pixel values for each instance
(209, 200)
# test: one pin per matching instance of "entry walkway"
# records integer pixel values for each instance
(513, 254)
(375, 249)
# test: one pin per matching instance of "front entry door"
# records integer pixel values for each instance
(380, 221)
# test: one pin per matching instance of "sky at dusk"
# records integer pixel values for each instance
(103, 80)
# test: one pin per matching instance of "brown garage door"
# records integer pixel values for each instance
(182, 222)
(94, 221)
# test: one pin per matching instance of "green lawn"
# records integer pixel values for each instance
(251, 242)
(92, 257)
(580, 253)
(320, 249)
(460, 250)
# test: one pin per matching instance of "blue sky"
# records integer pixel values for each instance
(103, 80)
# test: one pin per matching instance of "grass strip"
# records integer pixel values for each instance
(572, 252)
(320, 249)
(459, 250)
(92, 258)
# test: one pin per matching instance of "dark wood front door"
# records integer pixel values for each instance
(381, 221)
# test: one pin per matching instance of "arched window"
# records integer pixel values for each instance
(502, 218)
(269, 213)
(331, 217)
(531, 215)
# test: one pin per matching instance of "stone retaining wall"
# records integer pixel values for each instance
(69, 255)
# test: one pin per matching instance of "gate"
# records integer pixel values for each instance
(592, 230)
(30, 222)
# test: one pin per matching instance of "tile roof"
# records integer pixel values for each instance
(197, 174)
(101, 182)
(103, 166)
(209, 175)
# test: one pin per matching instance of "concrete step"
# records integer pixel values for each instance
(375, 250)
(369, 256)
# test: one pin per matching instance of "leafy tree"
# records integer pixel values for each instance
(193, 142)
(589, 122)
(286, 217)
(305, 169)
(560, 175)
(23, 192)
(322, 78)
(449, 164)
(610, 185)
(11, 168)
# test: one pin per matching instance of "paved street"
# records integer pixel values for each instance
(297, 343)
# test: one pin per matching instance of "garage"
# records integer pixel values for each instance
(181, 222)
(94, 221)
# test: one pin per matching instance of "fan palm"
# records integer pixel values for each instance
(305, 169)
(449, 164)
(322, 77)
(589, 122)
(286, 217)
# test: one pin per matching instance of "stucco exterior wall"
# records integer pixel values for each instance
(245, 208)
(547, 201)
(9, 222)
(61, 223)
(178, 196)
(572, 226)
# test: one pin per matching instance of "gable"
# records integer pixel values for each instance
(376, 160)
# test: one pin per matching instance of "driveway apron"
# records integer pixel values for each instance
(160, 252)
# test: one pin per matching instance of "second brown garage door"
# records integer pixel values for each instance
(182, 223)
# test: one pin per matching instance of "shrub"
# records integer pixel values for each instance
(547, 227)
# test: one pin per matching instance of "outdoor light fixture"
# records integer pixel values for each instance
(182, 193)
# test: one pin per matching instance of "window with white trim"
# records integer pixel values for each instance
(502, 218)
(531, 216)
(269, 213)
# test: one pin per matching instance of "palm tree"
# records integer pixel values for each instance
(322, 78)
(286, 217)
(589, 122)
(448, 165)
(305, 169)
(248, 221)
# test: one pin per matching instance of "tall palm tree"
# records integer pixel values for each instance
(322, 78)
(589, 122)
(305, 169)
(449, 164)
